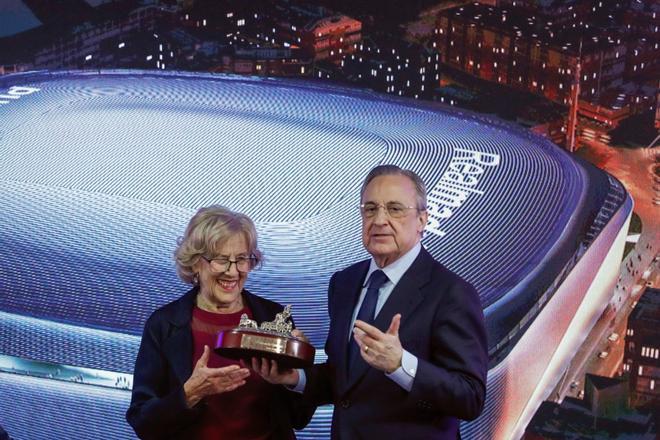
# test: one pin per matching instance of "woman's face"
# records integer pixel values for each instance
(221, 291)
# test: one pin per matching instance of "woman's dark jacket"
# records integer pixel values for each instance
(164, 363)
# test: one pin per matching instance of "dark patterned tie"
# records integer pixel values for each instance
(367, 311)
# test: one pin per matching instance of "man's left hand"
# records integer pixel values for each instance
(382, 351)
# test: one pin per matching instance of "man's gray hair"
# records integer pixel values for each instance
(393, 170)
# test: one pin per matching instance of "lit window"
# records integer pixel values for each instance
(640, 370)
(121, 45)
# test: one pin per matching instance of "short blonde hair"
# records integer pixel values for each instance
(206, 232)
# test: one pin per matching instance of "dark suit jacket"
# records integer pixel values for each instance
(441, 324)
(164, 363)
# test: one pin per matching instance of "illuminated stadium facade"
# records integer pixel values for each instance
(101, 171)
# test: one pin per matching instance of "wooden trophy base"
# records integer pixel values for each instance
(289, 352)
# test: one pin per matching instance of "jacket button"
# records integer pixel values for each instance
(345, 403)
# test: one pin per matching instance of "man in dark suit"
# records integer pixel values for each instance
(407, 350)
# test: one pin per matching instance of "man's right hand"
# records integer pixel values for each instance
(270, 371)
(205, 381)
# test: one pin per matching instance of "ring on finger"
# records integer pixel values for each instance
(366, 348)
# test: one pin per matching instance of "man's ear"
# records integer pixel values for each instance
(423, 221)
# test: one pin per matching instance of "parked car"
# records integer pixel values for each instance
(603, 354)
(613, 337)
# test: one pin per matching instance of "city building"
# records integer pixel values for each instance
(331, 37)
(642, 350)
(119, 34)
(514, 47)
(265, 61)
(391, 65)
(603, 414)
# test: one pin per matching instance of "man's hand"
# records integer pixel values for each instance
(382, 351)
(270, 371)
(205, 381)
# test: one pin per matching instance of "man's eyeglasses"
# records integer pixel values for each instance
(223, 264)
(393, 209)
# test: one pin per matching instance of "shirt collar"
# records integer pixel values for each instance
(397, 268)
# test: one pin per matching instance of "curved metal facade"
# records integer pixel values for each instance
(99, 173)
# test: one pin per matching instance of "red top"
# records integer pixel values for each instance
(240, 414)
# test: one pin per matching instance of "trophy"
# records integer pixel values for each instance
(272, 340)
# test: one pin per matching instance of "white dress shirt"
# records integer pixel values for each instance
(405, 374)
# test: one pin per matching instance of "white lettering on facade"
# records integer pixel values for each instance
(16, 92)
(457, 183)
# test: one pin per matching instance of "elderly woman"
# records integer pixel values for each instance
(181, 389)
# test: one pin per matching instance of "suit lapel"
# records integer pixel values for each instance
(407, 294)
(178, 350)
(404, 299)
(347, 295)
(178, 345)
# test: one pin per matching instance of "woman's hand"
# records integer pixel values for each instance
(205, 381)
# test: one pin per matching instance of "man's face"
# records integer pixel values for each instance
(384, 237)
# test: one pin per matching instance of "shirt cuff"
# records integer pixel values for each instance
(405, 374)
(302, 381)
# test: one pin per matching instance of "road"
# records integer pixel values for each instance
(635, 169)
